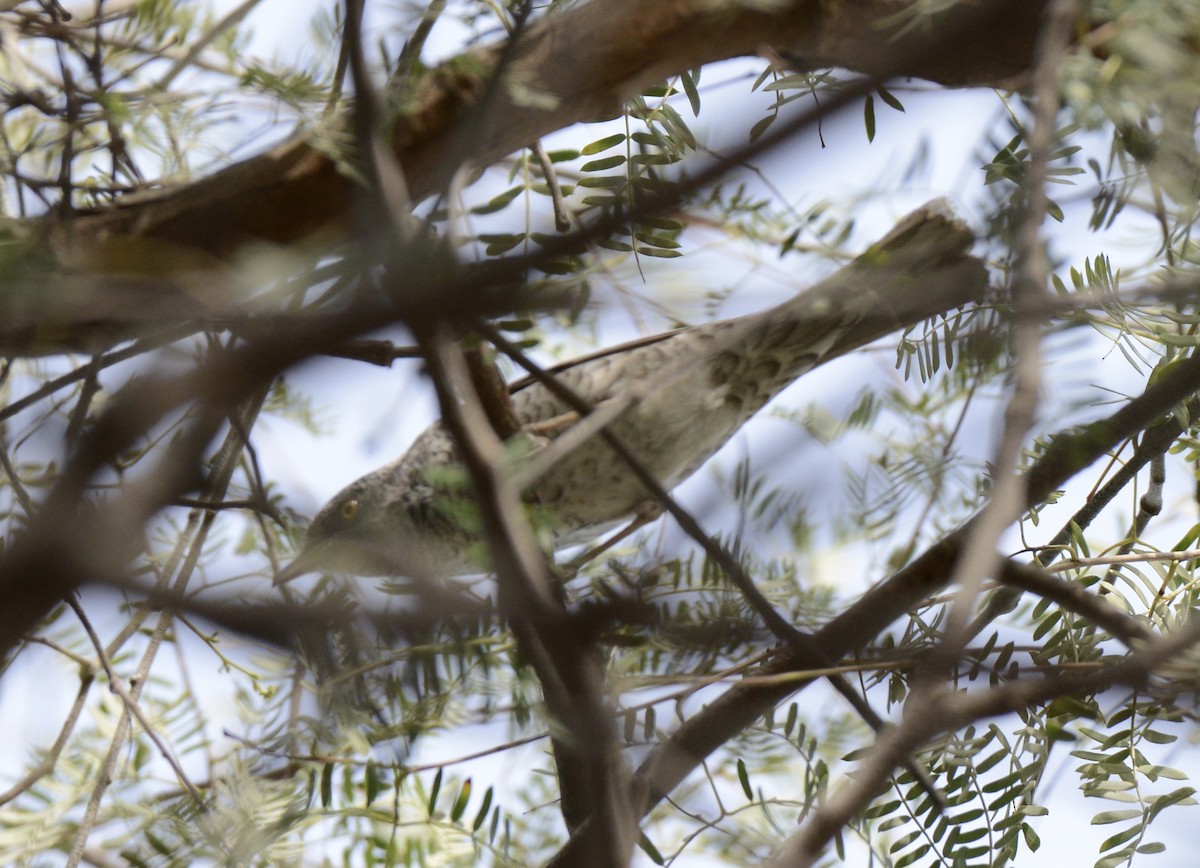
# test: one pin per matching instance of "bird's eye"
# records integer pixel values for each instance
(350, 509)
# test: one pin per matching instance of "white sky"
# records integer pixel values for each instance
(376, 412)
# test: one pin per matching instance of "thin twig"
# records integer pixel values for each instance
(1074, 598)
(596, 420)
(49, 760)
(138, 348)
(199, 524)
(118, 686)
(1068, 454)
(14, 481)
(1149, 505)
(959, 709)
(197, 44)
(562, 220)
(1004, 505)
(1155, 440)
(978, 557)
(567, 668)
(1134, 558)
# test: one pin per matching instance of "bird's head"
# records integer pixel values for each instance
(348, 535)
(384, 524)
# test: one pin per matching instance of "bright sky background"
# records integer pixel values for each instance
(377, 412)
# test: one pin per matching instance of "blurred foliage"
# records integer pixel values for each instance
(319, 754)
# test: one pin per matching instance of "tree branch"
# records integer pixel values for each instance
(740, 706)
(573, 66)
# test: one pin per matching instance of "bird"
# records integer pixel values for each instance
(695, 388)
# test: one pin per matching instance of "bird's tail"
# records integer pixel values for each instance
(922, 268)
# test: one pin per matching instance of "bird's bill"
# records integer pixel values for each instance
(310, 560)
(355, 558)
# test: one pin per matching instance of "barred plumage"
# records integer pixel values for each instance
(697, 385)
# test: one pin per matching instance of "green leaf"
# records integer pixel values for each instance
(744, 778)
(1156, 772)
(650, 850)
(910, 858)
(544, 189)
(888, 97)
(603, 163)
(163, 848)
(904, 840)
(1121, 837)
(518, 325)
(1003, 783)
(649, 139)
(761, 127)
(656, 159)
(882, 810)
(327, 785)
(481, 815)
(431, 805)
(498, 203)
(793, 81)
(1047, 625)
(499, 244)
(679, 130)
(869, 117)
(987, 763)
(603, 181)
(1181, 796)
(1155, 737)
(460, 803)
(1032, 841)
(375, 783)
(664, 223)
(602, 144)
(689, 80)
(657, 241)
(557, 266)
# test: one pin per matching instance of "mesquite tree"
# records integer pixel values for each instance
(955, 568)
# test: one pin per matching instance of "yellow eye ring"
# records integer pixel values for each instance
(350, 509)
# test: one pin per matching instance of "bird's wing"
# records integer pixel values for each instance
(636, 343)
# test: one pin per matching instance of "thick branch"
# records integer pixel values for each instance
(575, 66)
